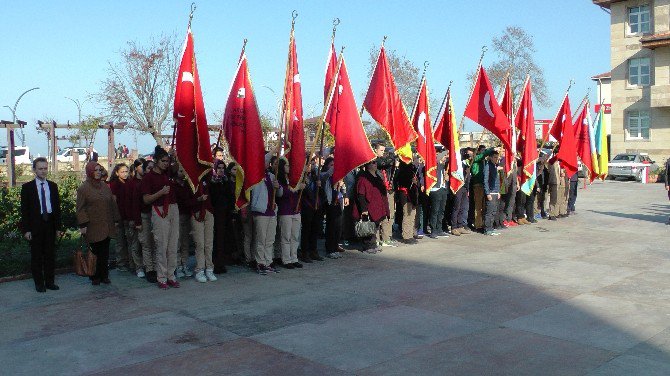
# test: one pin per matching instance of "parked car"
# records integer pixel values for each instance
(65, 155)
(21, 155)
(630, 165)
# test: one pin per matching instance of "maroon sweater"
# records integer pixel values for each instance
(371, 197)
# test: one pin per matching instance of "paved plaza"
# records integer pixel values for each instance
(587, 295)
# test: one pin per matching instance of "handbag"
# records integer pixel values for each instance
(365, 227)
(84, 263)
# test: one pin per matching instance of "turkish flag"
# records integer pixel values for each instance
(191, 136)
(352, 148)
(507, 105)
(446, 133)
(384, 105)
(582, 127)
(425, 145)
(563, 131)
(484, 110)
(331, 69)
(526, 143)
(242, 129)
(292, 116)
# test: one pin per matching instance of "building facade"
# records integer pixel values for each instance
(640, 76)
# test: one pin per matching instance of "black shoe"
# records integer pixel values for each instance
(316, 257)
(95, 282)
(306, 260)
(152, 277)
(297, 265)
(289, 266)
(409, 241)
(40, 289)
(532, 220)
(433, 236)
(552, 218)
(252, 265)
(52, 286)
(106, 281)
(220, 270)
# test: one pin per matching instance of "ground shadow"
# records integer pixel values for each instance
(658, 218)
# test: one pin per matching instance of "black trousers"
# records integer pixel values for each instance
(438, 203)
(572, 199)
(311, 229)
(460, 208)
(491, 211)
(43, 253)
(530, 205)
(101, 251)
(521, 199)
(333, 227)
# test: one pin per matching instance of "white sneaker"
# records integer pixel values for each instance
(210, 275)
(187, 272)
(200, 277)
(140, 273)
(334, 255)
(179, 273)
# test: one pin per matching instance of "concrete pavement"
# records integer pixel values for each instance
(587, 295)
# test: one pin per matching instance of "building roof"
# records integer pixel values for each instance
(605, 3)
(602, 76)
(656, 40)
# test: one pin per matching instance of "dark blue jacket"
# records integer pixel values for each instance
(491, 181)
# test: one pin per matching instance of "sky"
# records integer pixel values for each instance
(65, 47)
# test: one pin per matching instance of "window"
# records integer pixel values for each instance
(638, 125)
(638, 19)
(639, 72)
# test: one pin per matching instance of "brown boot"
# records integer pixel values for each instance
(524, 221)
(456, 231)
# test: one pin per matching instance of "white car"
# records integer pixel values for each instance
(630, 165)
(65, 155)
(21, 155)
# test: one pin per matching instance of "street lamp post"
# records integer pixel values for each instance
(13, 110)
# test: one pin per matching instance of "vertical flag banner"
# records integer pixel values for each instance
(331, 69)
(384, 105)
(446, 133)
(601, 144)
(583, 140)
(562, 130)
(592, 144)
(483, 109)
(191, 134)
(294, 134)
(527, 141)
(352, 148)
(507, 107)
(242, 129)
(424, 144)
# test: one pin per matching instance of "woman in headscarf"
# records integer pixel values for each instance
(371, 202)
(218, 189)
(117, 183)
(97, 214)
(289, 217)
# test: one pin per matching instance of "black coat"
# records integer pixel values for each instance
(31, 212)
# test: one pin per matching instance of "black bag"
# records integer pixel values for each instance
(365, 227)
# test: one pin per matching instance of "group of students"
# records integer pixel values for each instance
(280, 227)
(154, 215)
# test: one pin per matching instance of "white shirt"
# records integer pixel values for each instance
(47, 193)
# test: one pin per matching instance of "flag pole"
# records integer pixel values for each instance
(320, 124)
(544, 141)
(282, 121)
(584, 100)
(472, 86)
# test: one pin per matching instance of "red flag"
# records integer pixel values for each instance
(564, 133)
(331, 69)
(527, 141)
(384, 105)
(352, 148)
(507, 105)
(446, 133)
(424, 144)
(484, 110)
(242, 128)
(191, 136)
(292, 116)
(583, 141)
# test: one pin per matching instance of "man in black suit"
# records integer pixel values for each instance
(40, 224)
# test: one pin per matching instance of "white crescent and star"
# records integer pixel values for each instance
(422, 120)
(187, 77)
(487, 104)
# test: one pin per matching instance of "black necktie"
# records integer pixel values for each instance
(45, 214)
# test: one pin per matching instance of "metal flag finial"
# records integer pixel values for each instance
(384, 40)
(294, 15)
(336, 21)
(190, 16)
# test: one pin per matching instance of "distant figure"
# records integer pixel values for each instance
(119, 151)
(40, 223)
(125, 151)
(91, 155)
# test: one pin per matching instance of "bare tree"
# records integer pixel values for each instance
(140, 88)
(516, 50)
